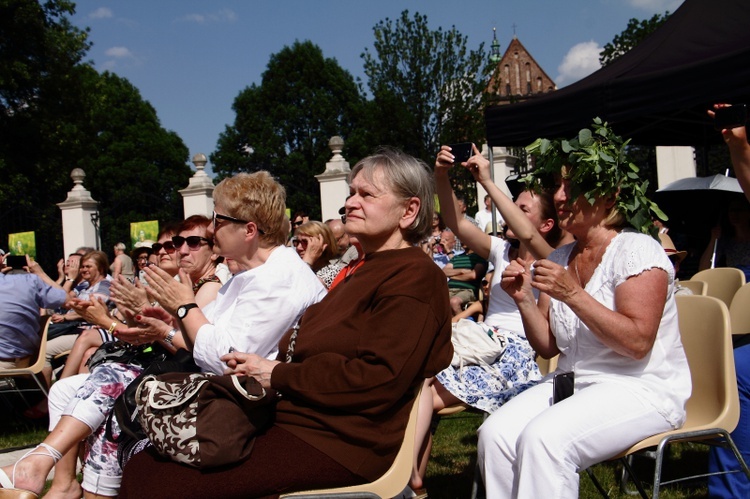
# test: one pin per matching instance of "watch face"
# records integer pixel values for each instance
(184, 309)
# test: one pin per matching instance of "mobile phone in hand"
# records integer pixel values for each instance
(461, 152)
(730, 117)
(16, 261)
(562, 386)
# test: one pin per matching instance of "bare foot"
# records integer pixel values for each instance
(27, 475)
(67, 490)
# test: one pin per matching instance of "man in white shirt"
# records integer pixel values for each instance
(484, 216)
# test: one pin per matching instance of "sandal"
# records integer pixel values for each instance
(9, 491)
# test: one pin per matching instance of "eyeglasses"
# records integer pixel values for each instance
(297, 224)
(233, 220)
(227, 218)
(142, 259)
(168, 247)
(193, 242)
(297, 241)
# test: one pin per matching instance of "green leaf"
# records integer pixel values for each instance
(584, 137)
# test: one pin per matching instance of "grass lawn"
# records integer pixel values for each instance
(451, 467)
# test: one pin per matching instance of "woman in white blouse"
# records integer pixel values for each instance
(606, 306)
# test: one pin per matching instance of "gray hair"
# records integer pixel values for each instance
(408, 177)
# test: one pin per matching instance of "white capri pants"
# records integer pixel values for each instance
(530, 448)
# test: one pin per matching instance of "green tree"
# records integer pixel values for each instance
(635, 32)
(428, 89)
(134, 166)
(57, 113)
(38, 47)
(284, 124)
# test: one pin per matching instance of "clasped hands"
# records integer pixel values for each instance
(249, 364)
(548, 277)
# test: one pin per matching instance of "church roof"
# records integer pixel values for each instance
(518, 75)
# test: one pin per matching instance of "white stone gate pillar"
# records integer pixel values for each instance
(197, 197)
(80, 216)
(334, 188)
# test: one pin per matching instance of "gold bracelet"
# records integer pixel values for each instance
(112, 328)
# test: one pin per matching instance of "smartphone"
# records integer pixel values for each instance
(730, 117)
(562, 386)
(462, 152)
(16, 261)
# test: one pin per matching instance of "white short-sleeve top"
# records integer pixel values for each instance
(662, 377)
(502, 311)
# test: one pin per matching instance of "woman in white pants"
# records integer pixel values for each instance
(606, 305)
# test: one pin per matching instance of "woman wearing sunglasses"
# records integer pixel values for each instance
(264, 300)
(198, 260)
(130, 300)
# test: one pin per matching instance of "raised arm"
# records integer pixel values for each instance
(466, 231)
(739, 151)
(518, 222)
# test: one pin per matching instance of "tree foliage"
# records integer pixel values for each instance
(284, 124)
(428, 89)
(134, 166)
(57, 114)
(635, 32)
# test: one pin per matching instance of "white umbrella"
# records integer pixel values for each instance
(712, 183)
(713, 188)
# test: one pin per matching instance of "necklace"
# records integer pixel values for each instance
(596, 258)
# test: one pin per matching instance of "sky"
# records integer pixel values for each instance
(191, 58)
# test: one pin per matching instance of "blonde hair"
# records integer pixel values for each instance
(315, 228)
(256, 197)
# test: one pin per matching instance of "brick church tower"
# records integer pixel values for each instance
(517, 75)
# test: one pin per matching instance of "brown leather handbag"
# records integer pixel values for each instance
(202, 419)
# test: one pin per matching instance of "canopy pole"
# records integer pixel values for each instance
(493, 209)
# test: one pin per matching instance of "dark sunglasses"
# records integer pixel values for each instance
(297, 241)
(297, 224)
(193, 242)
(227, 218)
(233, 220)
(168, 247)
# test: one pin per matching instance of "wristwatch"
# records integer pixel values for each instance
(170, 336)
(183, 310)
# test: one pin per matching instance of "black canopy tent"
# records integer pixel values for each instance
(655, 94)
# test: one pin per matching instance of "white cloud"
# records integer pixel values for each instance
(119, 52)
(222, 16)
(580, 61)
(101, 13)
(656, 5)
(119, 56)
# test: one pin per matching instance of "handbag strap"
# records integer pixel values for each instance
(292, 343)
